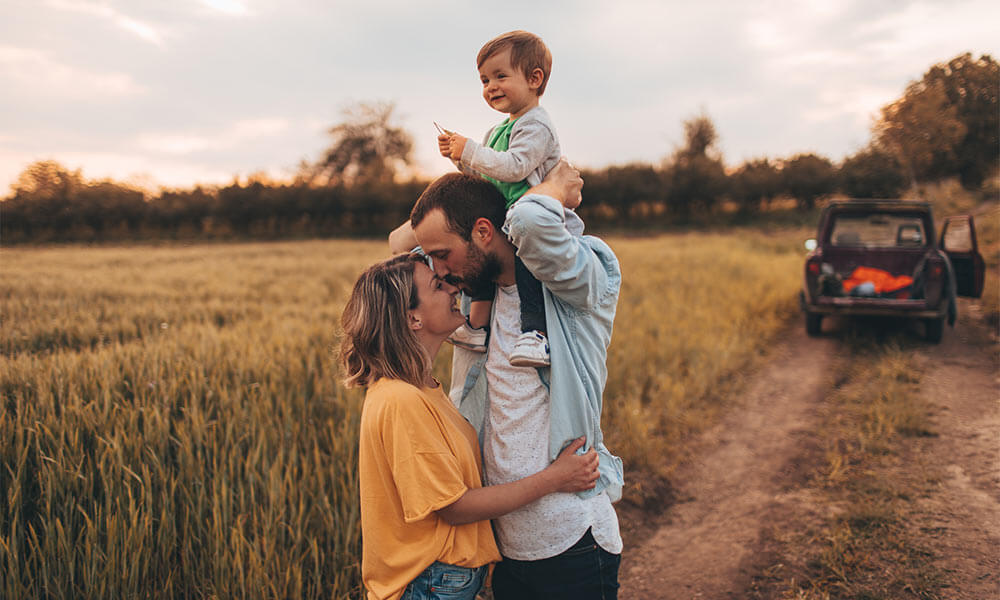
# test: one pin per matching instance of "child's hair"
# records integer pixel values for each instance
(377, 340)
(527, 52)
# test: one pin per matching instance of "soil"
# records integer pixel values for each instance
(729, 505)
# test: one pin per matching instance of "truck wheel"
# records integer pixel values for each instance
(934, 329)
(814, 323)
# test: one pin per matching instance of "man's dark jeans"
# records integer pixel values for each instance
(584, 572)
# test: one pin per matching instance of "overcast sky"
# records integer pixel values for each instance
(175, 92)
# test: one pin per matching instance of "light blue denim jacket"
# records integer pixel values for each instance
(581, 280)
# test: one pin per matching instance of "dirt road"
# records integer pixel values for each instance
(747, 476)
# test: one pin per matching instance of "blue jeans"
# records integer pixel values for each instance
(442, 581)
(583, 572)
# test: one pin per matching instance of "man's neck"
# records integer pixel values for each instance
(506, 255)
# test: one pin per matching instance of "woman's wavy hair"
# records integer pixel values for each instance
(378, 341)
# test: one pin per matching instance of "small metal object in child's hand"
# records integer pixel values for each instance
(442, 129)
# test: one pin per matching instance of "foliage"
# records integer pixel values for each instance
(947, 123)
(623, 194)
(807, 178)
(367, 148)
(695, 175)
(944, 125)
(872, 173)
(173, 425)
(754, 183)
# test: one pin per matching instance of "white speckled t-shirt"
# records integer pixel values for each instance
(516, 444)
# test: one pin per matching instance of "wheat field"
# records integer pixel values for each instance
(173, 425)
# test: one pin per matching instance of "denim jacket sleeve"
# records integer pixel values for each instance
(562, 261)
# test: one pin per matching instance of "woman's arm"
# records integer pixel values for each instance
(401, 239)
(570, 472)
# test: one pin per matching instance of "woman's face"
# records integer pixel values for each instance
(437, 311)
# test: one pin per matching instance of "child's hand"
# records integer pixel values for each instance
(456, 145)
(444, 145)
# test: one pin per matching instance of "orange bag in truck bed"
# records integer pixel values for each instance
(884, 281)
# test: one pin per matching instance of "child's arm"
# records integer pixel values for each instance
(531, 143)
(445, 143)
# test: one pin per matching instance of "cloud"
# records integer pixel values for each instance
(233, 8)
(140, 29)
(29, 69)
(239, 133)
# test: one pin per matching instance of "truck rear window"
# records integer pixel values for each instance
(878, 231)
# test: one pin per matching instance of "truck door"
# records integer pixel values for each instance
(958, 241)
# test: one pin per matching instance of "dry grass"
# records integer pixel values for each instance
(864, 548)
(172, 424)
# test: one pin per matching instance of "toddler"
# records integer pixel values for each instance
(515, 155)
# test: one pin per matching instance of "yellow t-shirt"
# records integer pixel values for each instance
(417, 455)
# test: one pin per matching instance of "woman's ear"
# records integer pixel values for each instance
(414, 321)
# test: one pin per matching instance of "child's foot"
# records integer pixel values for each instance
(531, 350)
(469, 338)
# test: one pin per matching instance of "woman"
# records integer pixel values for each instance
(424, 512)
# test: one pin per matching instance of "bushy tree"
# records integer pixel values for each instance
(807, 178)
(948, 123)
(694, 176)
(367, 148)
(872, 173)
(754, 183)
(622, 192)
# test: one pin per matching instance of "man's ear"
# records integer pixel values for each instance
(483, 231)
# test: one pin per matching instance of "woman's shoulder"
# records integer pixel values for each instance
(397, 396)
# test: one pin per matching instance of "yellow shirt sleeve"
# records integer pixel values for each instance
(426, 470)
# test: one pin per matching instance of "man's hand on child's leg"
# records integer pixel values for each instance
(562, 183)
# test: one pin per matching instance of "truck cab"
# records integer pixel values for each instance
(882, 258)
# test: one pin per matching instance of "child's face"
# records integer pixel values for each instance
(506, 88)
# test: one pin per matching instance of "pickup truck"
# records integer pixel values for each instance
(881, 258)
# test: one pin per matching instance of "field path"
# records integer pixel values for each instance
(742, 487)
(962, 519)
(743, 467)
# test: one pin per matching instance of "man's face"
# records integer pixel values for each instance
(456, 261)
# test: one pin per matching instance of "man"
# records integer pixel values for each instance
(563, 545)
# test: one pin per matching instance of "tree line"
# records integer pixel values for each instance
(944, 125)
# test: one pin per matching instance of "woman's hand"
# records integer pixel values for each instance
(574, 472)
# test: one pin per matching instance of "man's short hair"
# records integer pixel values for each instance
(463, 199)
(527, 52)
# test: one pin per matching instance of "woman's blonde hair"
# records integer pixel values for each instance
(378, 341)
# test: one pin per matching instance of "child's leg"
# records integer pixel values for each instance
(479, 313)
(529, 290)
(532, 348)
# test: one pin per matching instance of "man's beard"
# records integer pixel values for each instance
(478, 280)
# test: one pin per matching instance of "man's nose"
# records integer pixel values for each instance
(440, 269)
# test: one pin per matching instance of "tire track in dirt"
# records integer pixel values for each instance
(743, 467)
(961, 518)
